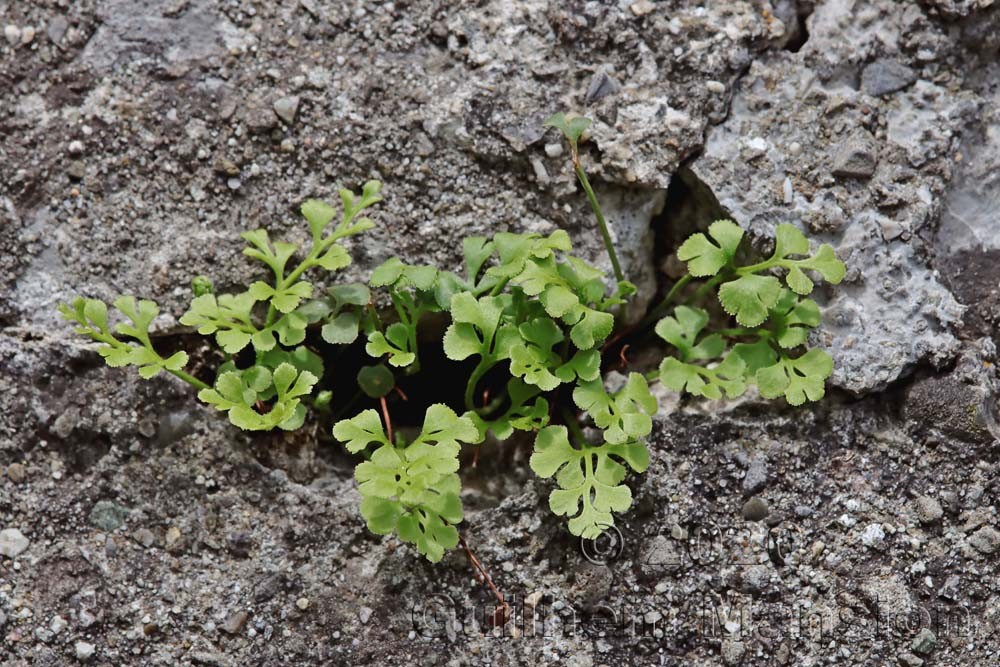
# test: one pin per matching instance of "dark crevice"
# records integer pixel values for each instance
(799, 29)
(690, 207)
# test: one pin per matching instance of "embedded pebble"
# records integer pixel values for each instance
(84, 650)
(986, 540)
(16, 473)
(928, 509)
(13, 543)
(286, 108)
(235, 622)
(755, 509)
(873, 535)
(924, 642)
(13, 34)
(108, 516)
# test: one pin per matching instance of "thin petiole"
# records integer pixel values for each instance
(190, 379)
(601, 222)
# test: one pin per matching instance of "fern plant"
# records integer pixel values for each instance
(270, 317)
(774, 321)
(534, 324)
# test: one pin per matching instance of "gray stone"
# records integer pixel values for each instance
(888, 591)
(732, 651)
(16, 473)
(857, 156)
(986, 540)
(928, 510)
(56, 28)
(13, 34)
(661, 555)
(756, 578)
(422, 99)
(235, 622)
(756, 478)
(13, 543)
(286, 108)
(128, 30)
(108, 516)
(873, 535)
(924, 642)
(886, 75)
(84, 650)
(601, 85)
(86, 619)
(57, 625)
(144, 536)
(755, 509)
(77, 170)
(951, 589)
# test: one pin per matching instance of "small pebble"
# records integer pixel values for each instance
(13, 543)
(302, 603)
(553, 149)
(13, 34)
(754, 509)
(108, 516)
(732, 652)
(144, 536)
(986, 540)
(76, 170)
(84, 650)
(928, 509)
(873, 535)
(172, 538)
(57, 28)
(924, 642)
(364, 614)
(642, 7)
(16, 473)
(58, 624)
(756, 477)
(234, 624)
(286, 108)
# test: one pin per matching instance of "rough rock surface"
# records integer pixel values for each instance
(137, 139)
(866, 170)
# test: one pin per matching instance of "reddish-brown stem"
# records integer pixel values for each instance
(621, 356)
(484, 576)
(617, 337)
(401, 394)
(385, 416)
